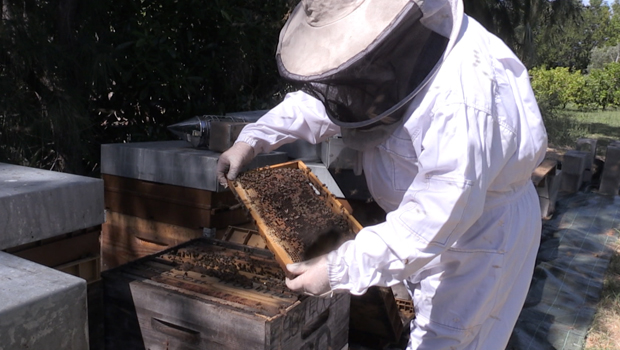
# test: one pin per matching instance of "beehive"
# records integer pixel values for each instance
(210, 294)
(299, 218)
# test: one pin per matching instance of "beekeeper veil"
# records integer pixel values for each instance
(366, 60)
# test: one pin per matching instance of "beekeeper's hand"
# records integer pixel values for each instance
(312, 277)
(230, 162)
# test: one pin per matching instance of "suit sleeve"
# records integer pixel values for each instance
(298, 117)
(460, 151)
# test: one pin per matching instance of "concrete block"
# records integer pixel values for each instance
(38, 204)
(610, 178)
(548, 189)
(171, 162)
(547, 177)
(41, 308)
(587, 145)
(573, 167)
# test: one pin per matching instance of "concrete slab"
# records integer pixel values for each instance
(171, 162)
(573, 167)
(36, 204)
(41, 308)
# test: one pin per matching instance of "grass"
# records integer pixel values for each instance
(605, 331)
(564, 128)
(567, 125)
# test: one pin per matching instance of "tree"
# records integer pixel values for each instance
(46, 70)
(75, 74)
(517, 22)
(572, 42)
(603, 55)
(556, 87)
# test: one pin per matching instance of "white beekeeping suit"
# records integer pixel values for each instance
(449, 157)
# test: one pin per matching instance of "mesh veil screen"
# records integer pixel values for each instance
(359, 93)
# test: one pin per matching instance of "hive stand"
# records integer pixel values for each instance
(573, 168)
(587, 145)
(610, 179)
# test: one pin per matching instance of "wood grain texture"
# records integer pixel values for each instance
(126, 238)
(546, 167)
(171, 204)
(61, 250)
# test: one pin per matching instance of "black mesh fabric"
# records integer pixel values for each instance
(377, 84)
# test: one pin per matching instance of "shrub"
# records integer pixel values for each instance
(75, 75)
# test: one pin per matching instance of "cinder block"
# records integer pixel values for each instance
(573, 167)
(171, 162)
(587, 145)
(546, 177)
(548, 193)
(610, 179)
(38, 204)
(41, 308)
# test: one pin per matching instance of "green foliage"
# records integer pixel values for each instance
(177, 59)
(520, 22)
(556, 87)
(571, 41)
(74, 74)
(45, 69)
(603, 55)
(601, 125)
(562, 129)
(601, 87)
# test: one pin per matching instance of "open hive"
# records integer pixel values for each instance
(246, 278)
(295, 213)
(211, 294)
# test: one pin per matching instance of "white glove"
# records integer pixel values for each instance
(312, 277)
(230, 162)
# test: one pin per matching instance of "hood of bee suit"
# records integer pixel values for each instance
(367, 59)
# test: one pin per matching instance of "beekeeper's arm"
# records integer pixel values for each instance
(298, 117)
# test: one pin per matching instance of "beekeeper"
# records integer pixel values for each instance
(450, 134)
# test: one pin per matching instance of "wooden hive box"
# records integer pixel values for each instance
(144, 217)
(296, 202)
(291, 208)
(211, 294)
(377, 318)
